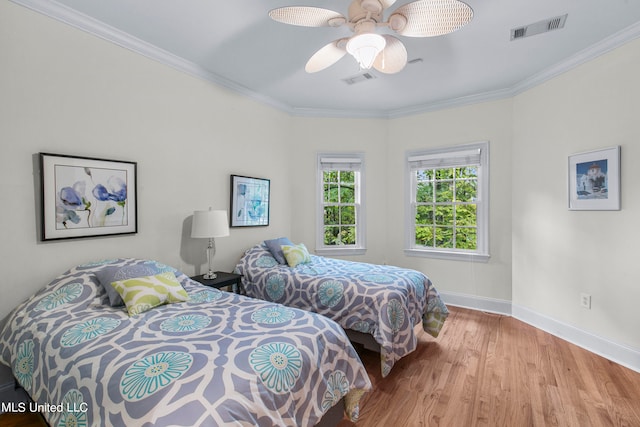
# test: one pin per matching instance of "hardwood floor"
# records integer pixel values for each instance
(22, 420)
(488, 370)
(492, 370)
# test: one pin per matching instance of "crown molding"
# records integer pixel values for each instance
(106, 32)
(604, 46)
(452, 103)
(90, 25)
(339, 114)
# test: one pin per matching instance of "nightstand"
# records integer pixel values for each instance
(222, 281)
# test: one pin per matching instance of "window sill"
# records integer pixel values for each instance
(340, 251)
(450, 255)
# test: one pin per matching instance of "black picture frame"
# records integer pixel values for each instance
(250, 201)
(87, 197)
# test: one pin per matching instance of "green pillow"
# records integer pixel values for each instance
(141, 294)
(128, 268)
(296, 254)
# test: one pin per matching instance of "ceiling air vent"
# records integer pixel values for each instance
(359, 78)
(550, 24)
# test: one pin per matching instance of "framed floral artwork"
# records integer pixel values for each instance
(87, 197)
(249, 201)
(594, 180)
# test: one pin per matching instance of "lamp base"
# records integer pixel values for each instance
(210, 275)
(211, 250)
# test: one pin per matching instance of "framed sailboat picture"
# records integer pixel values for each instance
(594, 180)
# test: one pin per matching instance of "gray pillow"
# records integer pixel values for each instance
(275, 247)
(127, 269)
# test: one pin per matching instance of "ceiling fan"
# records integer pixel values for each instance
(386, 53)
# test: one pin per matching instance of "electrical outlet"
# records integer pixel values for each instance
(585, 300)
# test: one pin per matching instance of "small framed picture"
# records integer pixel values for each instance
(594, 180)
(249, 201)
(87, 197)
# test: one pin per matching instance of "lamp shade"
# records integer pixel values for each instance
(209, 223)
(365, 48)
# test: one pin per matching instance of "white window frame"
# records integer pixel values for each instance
(458, 155)
(355, 162)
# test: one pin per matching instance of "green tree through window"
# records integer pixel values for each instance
(445, 208)
(340, 218)
(339, 200)
(448, 202)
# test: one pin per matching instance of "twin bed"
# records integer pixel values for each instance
(215, 359)
(180, 353)
(375, 304)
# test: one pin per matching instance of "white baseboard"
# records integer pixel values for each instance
(474, 302)
(616, 352)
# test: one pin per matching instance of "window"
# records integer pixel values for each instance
(340, 217)
(448, 208)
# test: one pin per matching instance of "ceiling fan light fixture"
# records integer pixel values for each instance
(365, 48)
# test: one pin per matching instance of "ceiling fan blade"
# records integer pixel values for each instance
(429, 18)
(393, 57)
(326, 56)
(307, 16)
(387, 3)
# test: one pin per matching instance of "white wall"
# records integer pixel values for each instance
(483, 122)
(384, 144)
(557, 253)
(68, 92)
(310, 136)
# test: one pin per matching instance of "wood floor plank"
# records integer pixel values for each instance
(26, 419)
(492, 370)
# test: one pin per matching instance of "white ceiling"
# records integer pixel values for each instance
(236, 44)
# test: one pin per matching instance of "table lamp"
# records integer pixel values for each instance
(209, 225)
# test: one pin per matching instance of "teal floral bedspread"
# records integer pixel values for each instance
(384, 301)
(218, 359)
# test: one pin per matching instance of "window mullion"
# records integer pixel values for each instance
(341, 175)
(457, 188)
